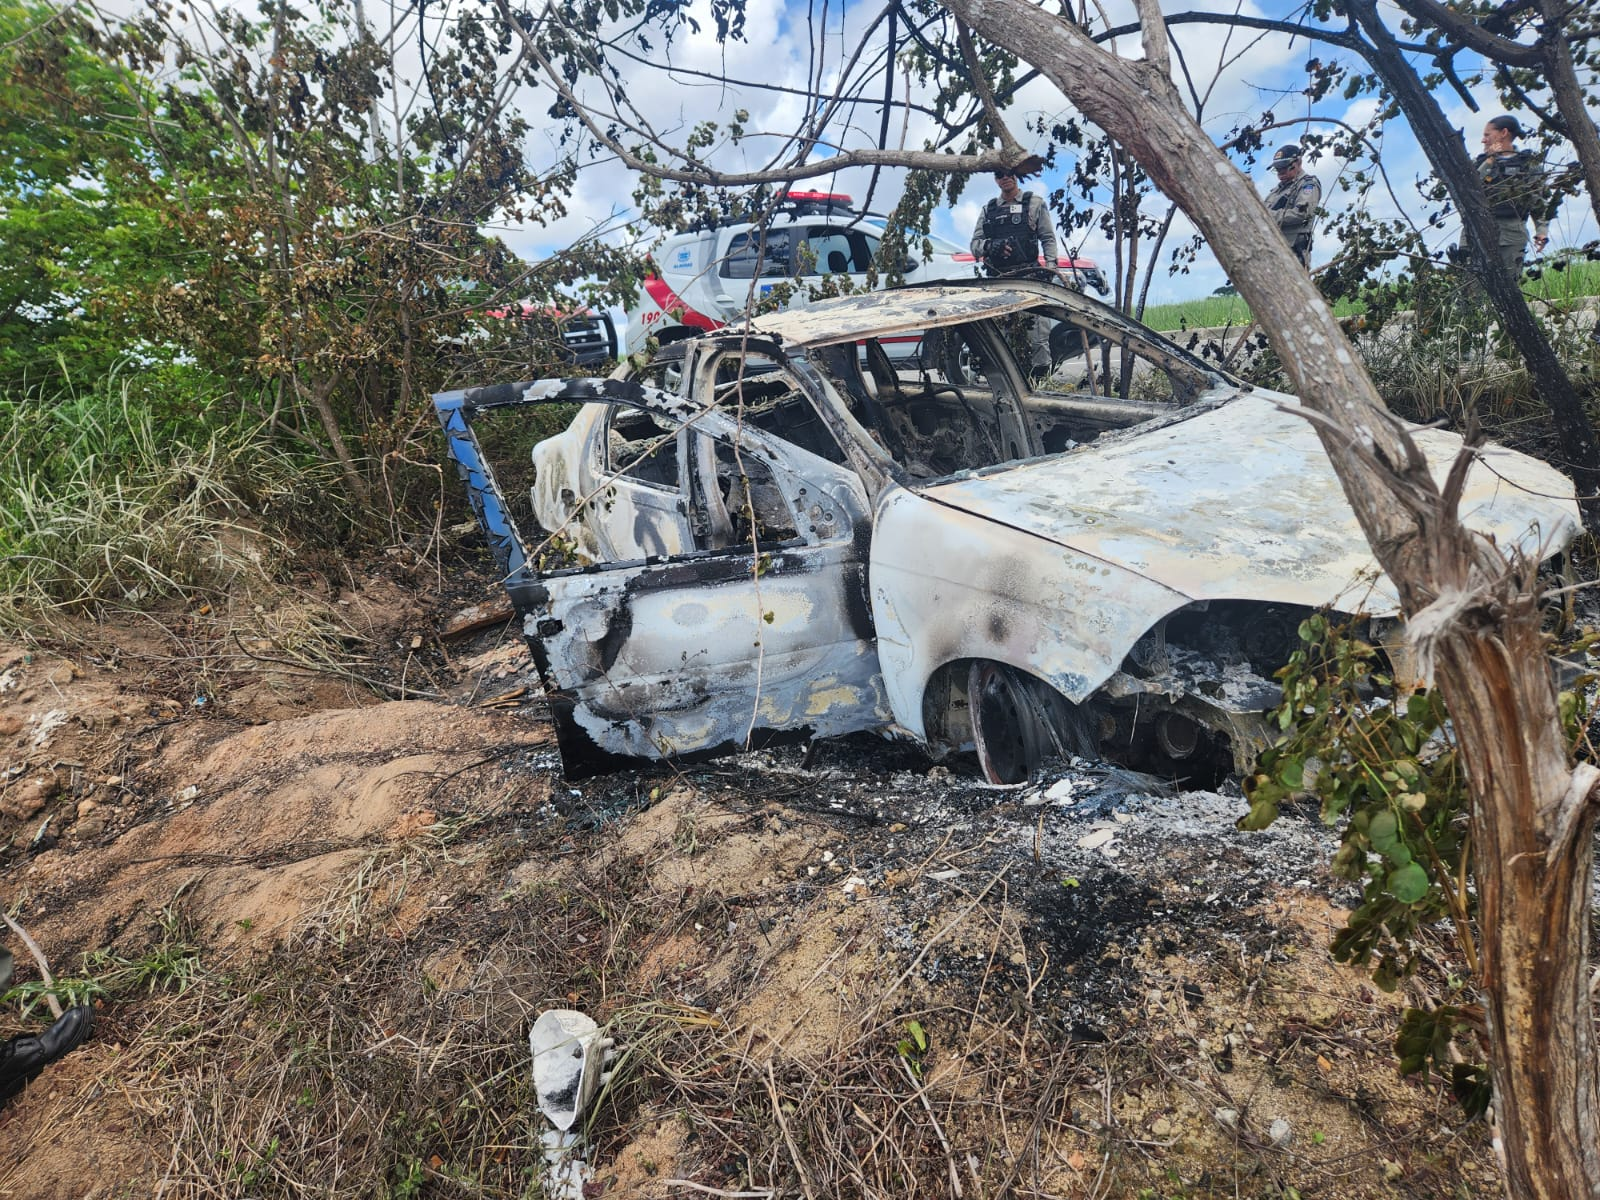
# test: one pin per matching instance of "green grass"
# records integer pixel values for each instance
(1562, 282)
(1555, 284)
(141, 485)
(1207, 312)
(1216, 312)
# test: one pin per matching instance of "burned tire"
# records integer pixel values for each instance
(1008, 722)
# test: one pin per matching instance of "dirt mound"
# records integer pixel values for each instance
(253, 825)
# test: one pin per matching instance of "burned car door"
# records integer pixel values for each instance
(757, 629)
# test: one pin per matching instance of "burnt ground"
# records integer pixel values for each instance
(318, 912)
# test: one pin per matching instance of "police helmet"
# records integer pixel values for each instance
(1286, 156)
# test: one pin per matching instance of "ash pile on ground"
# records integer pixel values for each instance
(1100, 860)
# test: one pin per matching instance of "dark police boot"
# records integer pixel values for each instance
(22, 1058)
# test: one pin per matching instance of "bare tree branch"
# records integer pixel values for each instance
(980, 84)
(697, 172)
(1472, 35)
(1154, 34)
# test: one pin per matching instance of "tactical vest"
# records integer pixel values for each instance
(1512, 183)
(1011, 238)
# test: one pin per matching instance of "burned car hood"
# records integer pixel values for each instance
(1239, 501)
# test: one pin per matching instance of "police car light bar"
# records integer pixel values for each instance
(818, 197)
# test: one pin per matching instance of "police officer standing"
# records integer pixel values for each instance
(1513, 184)
(1014, 230)
(1293, 201)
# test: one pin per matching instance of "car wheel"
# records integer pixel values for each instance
(1007, 722)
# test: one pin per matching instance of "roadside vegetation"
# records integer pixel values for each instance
(141, 485)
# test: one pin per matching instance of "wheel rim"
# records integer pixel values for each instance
(1005, 727)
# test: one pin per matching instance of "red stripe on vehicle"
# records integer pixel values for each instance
(670, 302)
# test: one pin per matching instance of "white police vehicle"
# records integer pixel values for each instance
(704, 279)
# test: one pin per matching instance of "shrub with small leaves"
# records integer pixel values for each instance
(1386, 762)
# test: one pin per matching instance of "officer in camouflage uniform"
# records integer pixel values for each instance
(1014, 230)
(1293, 201)
(1513, 184)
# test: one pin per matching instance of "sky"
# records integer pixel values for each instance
(1242, 74)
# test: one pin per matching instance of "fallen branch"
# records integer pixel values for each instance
(38, 957)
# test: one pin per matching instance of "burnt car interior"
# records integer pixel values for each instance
(754, 389)
(721, 490)
(950, 406)
(942, 410)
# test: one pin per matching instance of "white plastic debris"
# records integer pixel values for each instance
(565, 1169)
(568, 1063)
(569, 1066)
(1097, 839)
(1060, 792)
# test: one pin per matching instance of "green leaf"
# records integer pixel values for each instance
(1292, 773)
(1408, 884)
(1262, 814)
(1419, 709)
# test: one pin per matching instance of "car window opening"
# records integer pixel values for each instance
(754, 390)
(930, 399)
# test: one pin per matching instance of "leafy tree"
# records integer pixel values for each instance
(274, 209)
(78, 247)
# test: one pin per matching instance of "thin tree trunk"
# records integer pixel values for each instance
(318, 396)
(1572, 102)
(1477, 620)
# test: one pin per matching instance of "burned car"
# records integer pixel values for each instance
(785, 532)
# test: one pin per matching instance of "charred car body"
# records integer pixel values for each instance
(781, 532)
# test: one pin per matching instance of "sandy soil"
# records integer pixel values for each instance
(1119, 994)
